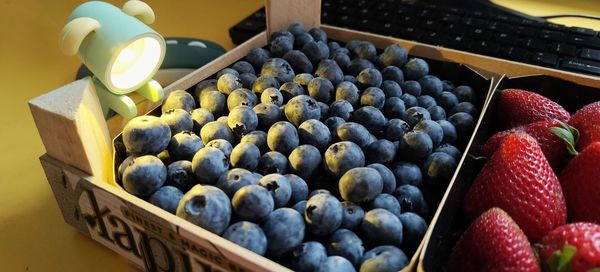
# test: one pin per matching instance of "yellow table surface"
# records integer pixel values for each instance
(33, 235)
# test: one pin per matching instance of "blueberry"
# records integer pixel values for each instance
(318, 34)
(333, 46)
(384, 259)
(146, 135)
(209, 164)
(235, 179)
(336, 263)
(447, 100)
(286, 34)
(245, 155)
(394, 108)
(290, 90)
(350, 79)
(355, 133)
(414, 228)
(184, 145)
(324, 110)
(241, 97)
(299, 188)
(222, 145)
(426, 101)
(394, 54)
(415, 68)
(314, 133)
(411, 199)
(180, 175)
(409, 100)
(316, 51)
(272, 96)
(282, 137)
(228, 71)
(279, 187)
(358, 65)
(242, 120)
(370, 117)
(345, 243)
(407, 173)
(207, 207)
(252, 202)
(144, 175)
(387, 202)
(279, 69)
(353, 215)
(347, 91)
(467, 107)
(318, 191)
(308, 256)
(267, 114)
(300, 206)
(178, 120)
(450, 150)
(450, 135)
(323, 214)
(263, 82)
(369, 77)
(213, 101)
(438, 169)
(387, 176)
(391, 89)
(395, 129)
(303, 39)
(437, 113)
(272, 162)
(296, 28)
(281, 45)
(393, 73)
(201, 117)
(341, 108)
(166, 198)
(205, 85)
(415, 146)
(373, 96)
(299, 61)
(228, 82)
(342, 59)
(433, 129)
(126, 162)
(301, 108)
(179, 99)
(257, 57)
(464, 124)
(321, 89)
(247, 235)
(447, 85)
(303, 79)
(304, 160)
(465, 94)
(411, 87)
(330, 70)
(332, 124)
(360, 184)
(258, 138)
(380, 151)
(284, 229)
(382, 227)
(243, 67)
(431, 85)
(364, 50)
(414, 115)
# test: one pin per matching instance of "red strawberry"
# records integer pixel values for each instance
(581, 185)
(519, 180)
(587, 121)
(520, 107)
(493, 242)
(573, 247)
(552, 146)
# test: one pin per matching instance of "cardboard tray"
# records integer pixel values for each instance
(79, 165)
(450, 222)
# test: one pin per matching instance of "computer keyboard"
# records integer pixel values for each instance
(479, 28)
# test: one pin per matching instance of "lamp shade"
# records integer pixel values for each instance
(121, 51)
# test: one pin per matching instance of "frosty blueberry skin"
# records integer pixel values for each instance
(373, 96)
(201, 117)
(235, 179)
(253, 203)
(387, 176)
(395, 55)
(415, 69)
(279, 188)
(370, 117)
(387, 202)
(299, 188)
(431, 85)
(407, 173)
(179, 99)
(354, 132)
(216, 130)
(411, 199)
(414, 228)
(346, 243)
(272, 162)
(315, 133)
(245, 155)
(301, 108)
(384, 258)
(336, 263)
(284, 229)
(241, 97)
(146, 135)
(184, 145)
(267, 115)
(272, 96)
(209, 164)
(279, 69)
(304, 160)
(321, 89)
(248, 235)
(382, 227)
(308, 256)
(178, 120)
(257, 57)
(341, 108)
(282, 137)
(144, 175)
(353, 215)
(299, 61)
(243, 67)
(360, 184)
(207, 207)
(341, 157)
(226, 83)
(323, 214)
(263, 82)
(166, 198)
(330, 70)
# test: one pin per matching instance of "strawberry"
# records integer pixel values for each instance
(573, 247)
(493, 242)
(552, 145)
(580, 180)
(519, 180)
(587, 121)
(520, 107)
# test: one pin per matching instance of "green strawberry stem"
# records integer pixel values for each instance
(568, 134)
(560, 261)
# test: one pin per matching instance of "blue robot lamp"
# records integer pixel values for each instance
(119, 48)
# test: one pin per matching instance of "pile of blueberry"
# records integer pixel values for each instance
(316, 155)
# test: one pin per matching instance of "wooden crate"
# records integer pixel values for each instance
(79, 158)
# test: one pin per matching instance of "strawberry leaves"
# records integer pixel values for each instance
(560, 261)
(568, 134)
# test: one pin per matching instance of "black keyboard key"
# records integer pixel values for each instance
(387, 28)
(515, 53)
(500, 27)
(473, 22)
(458, 42)
(486, 47)
(344, 21)
(454, 28)
(563, 49)
(556, 27)
(478, 33)
(409, 33)
(260, 15)
(534, 44)
(592, 54)
(450, 18)
(584, 41)
(430, 24)
(585, 66)
(545, 59)
(583, 31)
(526, 31)
(433, 38)
(505, 38)
(252, 26)
(552, 35)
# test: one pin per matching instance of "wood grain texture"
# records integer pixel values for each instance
(282, 13)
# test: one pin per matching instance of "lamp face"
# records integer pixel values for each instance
(135, 63)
